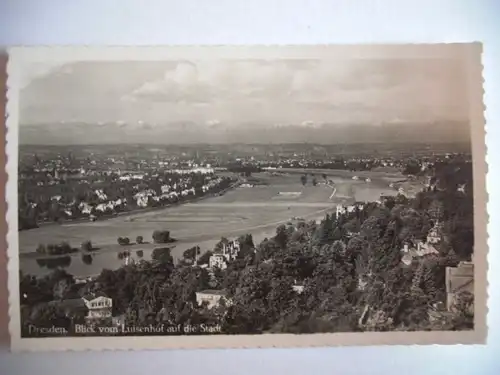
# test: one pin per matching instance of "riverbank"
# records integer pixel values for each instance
(137, 210)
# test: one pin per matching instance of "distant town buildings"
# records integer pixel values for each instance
(341, 209)
(200, 170)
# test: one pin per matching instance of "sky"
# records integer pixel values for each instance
(230, 94)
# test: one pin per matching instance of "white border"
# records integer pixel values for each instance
(22, 55)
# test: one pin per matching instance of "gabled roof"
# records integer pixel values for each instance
(91, 296)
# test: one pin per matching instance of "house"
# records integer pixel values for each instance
(434, 235)
(99, 306)
(411, 253)
(348, 209)
(299, 289)
(211, 298)
(217, 260)
(231, 250)
(228, 253)
(458, 280)
(422, 248)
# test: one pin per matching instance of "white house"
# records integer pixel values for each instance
(228, 253)
(217, 261)
(434, 235)
(298, 288)
(99, 306)
(211, 298)
(422, 249)
(231, 249)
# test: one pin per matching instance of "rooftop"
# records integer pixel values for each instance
(92, 296)
(213, 291)
(460, 279)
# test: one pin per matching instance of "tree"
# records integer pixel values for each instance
(220, 245)
(303, 179)
(162, 255)
(41, 249)
(86, 246)
(87, 258)
(61, 283)
(204, 258)
(191, 253)
(139, 240)
(124, 241)
(161, 236)
(281, 237)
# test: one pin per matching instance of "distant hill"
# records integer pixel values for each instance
(190, 132)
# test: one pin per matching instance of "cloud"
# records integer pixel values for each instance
(235, 91)
(179, 85)
(213, 122)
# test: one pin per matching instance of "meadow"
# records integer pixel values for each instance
(257, 210)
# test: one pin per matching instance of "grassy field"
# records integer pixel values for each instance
(257, 210)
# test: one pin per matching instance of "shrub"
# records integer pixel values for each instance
(205, 258)
(140, 253)
(139, 239)
(87, 246)
(162, 255)
(161, 236)
(87, 258)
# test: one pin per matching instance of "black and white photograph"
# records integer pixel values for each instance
(281, 191)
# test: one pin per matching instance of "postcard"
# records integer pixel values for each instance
(246, 196)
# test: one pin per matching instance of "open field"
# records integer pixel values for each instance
(257, 210)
